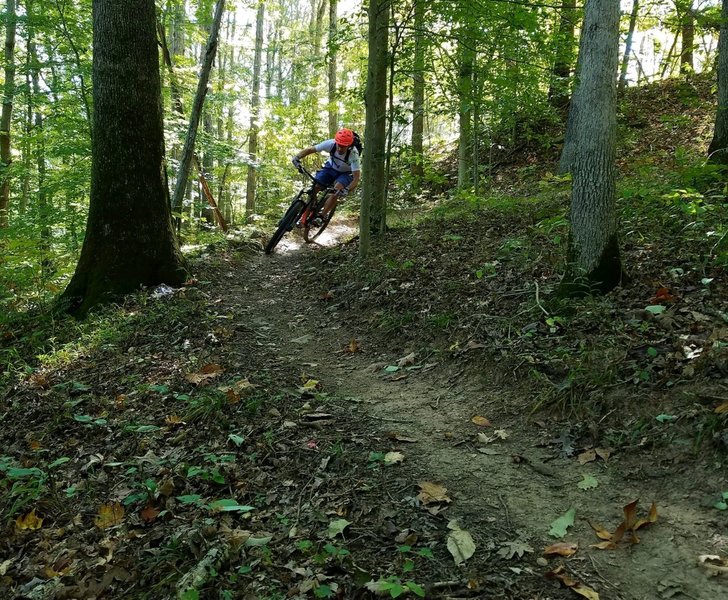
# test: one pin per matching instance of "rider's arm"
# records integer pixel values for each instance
(356, 176)
(305, 152)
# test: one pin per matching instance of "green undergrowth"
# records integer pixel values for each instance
(476, 278)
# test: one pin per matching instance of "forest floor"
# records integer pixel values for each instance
(424, 424)
(254, 435)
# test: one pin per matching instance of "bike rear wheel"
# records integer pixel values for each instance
(310, 233)
(286, 223)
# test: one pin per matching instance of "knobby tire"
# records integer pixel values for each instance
(285, 224)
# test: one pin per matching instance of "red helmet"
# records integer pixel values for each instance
(344, 137)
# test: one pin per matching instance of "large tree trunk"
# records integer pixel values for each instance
(687, 30)
(7, 111)
(418, 92)
(254, 115)
(565, 42)
(189, 148)
(129, 237)
(628, 46)
(333, 99)
(375, 99)
(718, 150)
(466, 57)
(593, 262)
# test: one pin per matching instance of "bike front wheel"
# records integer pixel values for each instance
(286, 223)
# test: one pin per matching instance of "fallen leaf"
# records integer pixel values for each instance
(460, 543)
(29, 521)
(481, 421)
(353, 347)
(337, 527)
(603, 453)
(433, 493)
(630, 524)
(587, 456)
(561, 549)
(601, 532)
(311, 384)
(722, 409)
(119, 402)
(208, 372)
(109, 515)
(651, 518)
(560, 525)
(5, 565)
(516, 548)
(406, 361)
(392, 458)
(393, 435)
(166, 488)
(174, 420)
(326, 296)
(573, 584)
(149, 513)
(588, 482)
(39, 380)
(715, 564)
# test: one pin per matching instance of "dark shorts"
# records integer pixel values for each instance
(328, 175)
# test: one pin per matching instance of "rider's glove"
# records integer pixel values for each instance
(343, 192)
(296, 162)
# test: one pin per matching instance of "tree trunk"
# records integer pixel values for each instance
(628, 46)
(44, 210)
(189, 148)
(333, 100)
(254, 115)
(418, 92)
(593, 261)
(129, 237)
(6, 158)
(718, 150)
(179, 109)
(375, 99)
(558, 95)
(465, 112)
(688, 40)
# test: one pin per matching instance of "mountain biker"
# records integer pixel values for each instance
(343, 168)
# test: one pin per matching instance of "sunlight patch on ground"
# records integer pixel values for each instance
(336, 233)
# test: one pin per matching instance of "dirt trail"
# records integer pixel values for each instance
(434, 405)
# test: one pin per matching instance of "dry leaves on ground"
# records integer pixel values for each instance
(573, 584)
(630, 525)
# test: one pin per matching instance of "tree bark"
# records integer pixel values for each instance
(466, 57)
(375, 99)
(418, 92)
(189, 148)
(558, 95)
(6, 158)
(593, 261)
(687, 30)
(254, 115)
(129, 237)
(628, 46)
(333, 99)
(718, 150)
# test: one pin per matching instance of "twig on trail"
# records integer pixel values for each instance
(505, 508)
(300, 499)
(388, 420)
(599, 573)
(539, 301)
(443, 585)
(436, 406)
(203, 571)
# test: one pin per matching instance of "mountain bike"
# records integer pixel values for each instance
(304, 212)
